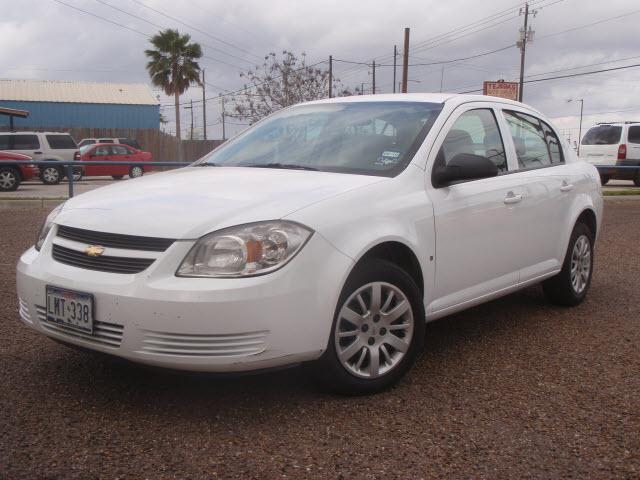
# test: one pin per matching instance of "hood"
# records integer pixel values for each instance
(189, 202)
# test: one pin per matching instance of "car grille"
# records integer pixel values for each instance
(103, 263)
(165, 343)
(105, 334)
(115, 240)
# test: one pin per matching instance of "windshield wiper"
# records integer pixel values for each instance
(207, 164)
(291, 166)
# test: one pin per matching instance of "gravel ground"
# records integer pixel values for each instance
(512, 389)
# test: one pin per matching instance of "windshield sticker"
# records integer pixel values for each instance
(388, 157)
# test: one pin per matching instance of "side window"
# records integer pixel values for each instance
(61, 142)
(102, 151)
(529, 139)
(25, 142)
(105, 140)
(553, 143)
(476, 132)
(634, 134)
(4, 142)
(119, 150)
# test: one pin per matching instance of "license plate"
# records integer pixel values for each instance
(70, 309)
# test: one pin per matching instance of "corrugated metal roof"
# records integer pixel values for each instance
(76, 92)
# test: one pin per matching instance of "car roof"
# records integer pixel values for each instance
(33, 132)
(450, 99)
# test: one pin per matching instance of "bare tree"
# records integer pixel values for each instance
(280, 82)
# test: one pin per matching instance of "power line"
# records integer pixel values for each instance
(197, 30)
(589, 24)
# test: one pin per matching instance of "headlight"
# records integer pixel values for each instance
(245, 250)
(46, 226)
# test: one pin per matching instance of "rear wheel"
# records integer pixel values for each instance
(50, 175)
(378, 330)
(117, 177)
(135, 172)
(604, 179)
(9, 179)
(570, 286)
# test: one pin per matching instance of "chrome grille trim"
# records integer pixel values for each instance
(229, 345)
(114, 240)
(23, 310)
(75, 258)
(104, 334)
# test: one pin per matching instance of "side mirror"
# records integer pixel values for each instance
(464, 166)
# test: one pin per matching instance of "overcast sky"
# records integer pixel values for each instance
(44, 39)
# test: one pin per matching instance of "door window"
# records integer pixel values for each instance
(475, 132)
(20, 142)
(120, 150)
(102, 151)
(529, 139)
(634, 134)
(105, 140)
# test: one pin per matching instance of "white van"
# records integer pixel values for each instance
(614, 143)
(43, 146)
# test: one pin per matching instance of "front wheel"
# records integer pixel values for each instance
(378, 330)
(570, 286)
(135, 172)
(9, 179)
(50, 175)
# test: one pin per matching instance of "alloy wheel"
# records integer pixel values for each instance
(374, 330)
(7, 180)
(580, 264)
(135, 172)
(50, 174)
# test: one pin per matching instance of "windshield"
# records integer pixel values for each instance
(602, 135)
(368, 138)
(85, 148)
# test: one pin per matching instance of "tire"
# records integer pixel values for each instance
(50, 175)
(604, 179)
(135, 172)
(9, 179)
(566, 289)
(117, 177)
(355, 373)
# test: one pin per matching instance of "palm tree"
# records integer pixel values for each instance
(173, 66)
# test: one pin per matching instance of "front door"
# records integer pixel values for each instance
(476, 222)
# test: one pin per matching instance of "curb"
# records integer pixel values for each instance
(6, 203)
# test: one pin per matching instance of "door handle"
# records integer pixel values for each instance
(37, 153)
(566, 187)
(511, 198)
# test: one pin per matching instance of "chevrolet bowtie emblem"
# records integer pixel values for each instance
(94, 250)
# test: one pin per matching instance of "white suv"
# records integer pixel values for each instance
(43, 146)
(613, 144)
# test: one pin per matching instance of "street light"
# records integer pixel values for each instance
(581, 100)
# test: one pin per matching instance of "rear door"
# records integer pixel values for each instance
(548, 186)
(100, 153)
(120, 153)
(27, 144)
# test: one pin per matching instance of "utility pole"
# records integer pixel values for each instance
(373, 90)
(526, 36)
(395, 55)
(330, 76)
(204, 108)
(190, 108)
(442, 78)
(405, 65)
(223, 115)
(362, 88)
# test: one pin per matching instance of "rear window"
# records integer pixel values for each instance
(19, 142)
(61, 142)
(86, 142)
(603, 135)
(634, 134)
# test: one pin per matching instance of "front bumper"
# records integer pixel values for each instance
(215, 325)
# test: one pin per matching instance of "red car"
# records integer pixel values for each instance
(113, 152)
(12, 175)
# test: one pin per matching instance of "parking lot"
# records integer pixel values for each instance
(512, 389)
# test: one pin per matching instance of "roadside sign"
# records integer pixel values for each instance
(501, 89)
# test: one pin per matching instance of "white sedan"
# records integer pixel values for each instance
(330, 232)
